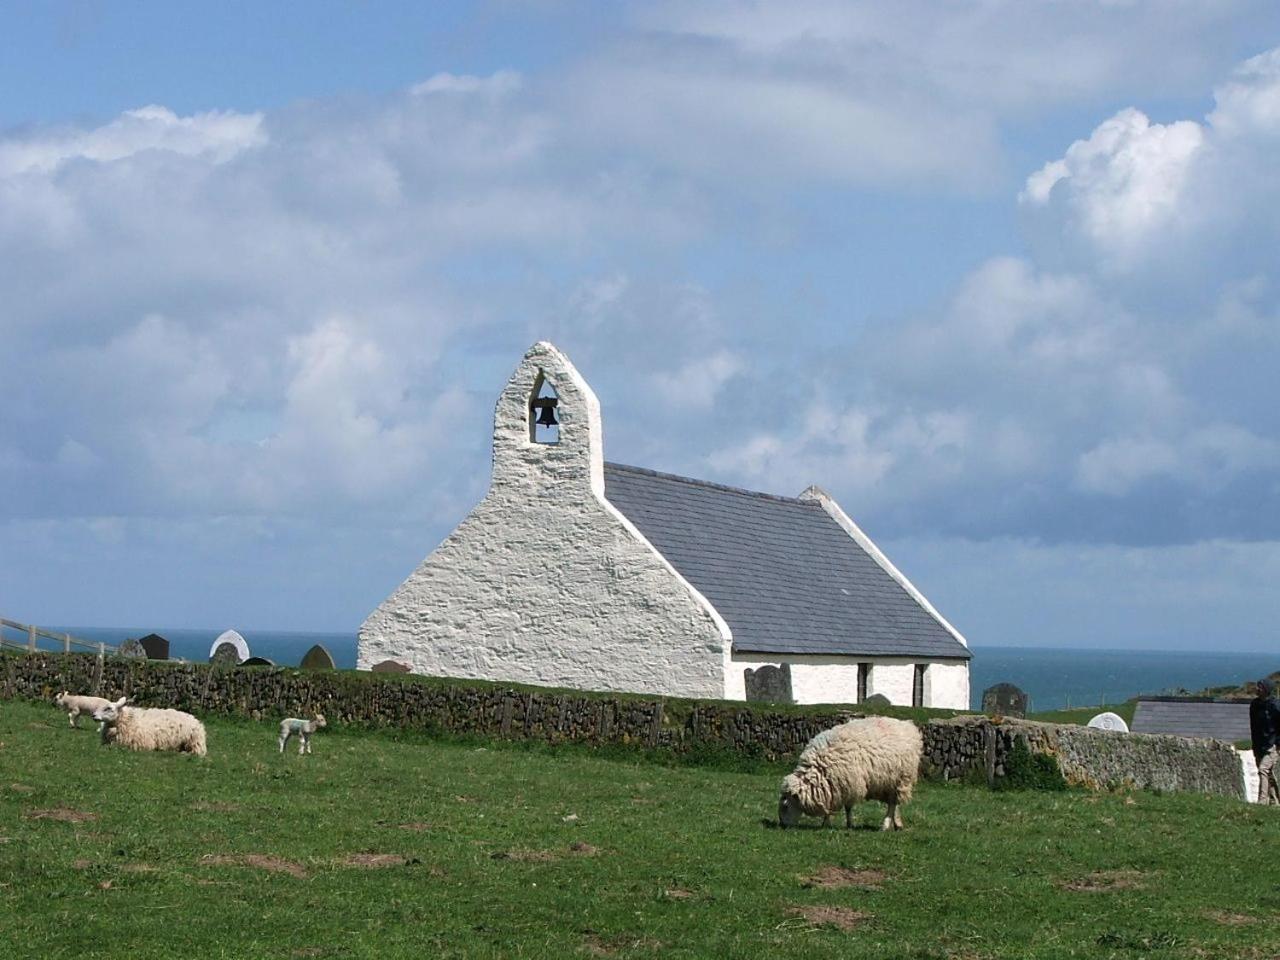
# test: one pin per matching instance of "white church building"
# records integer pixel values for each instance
(574, 572)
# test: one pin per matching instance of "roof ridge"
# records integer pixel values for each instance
(693, 481)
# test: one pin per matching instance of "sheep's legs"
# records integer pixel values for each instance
(303, 745)
(826, 821)
(892, 818)
(73, 718)
(283, 739)
(848, 816)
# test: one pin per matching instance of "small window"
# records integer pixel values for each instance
(917, 688)
(864, 680)
(544, 409)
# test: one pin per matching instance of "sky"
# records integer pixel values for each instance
(1001, 276)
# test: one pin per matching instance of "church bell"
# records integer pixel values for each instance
(546, 412)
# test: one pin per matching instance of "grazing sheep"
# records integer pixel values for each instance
(303, 728)
(876, 758)
(140, 728)
(75, 705)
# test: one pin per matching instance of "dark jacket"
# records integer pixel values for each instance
(1264, 724)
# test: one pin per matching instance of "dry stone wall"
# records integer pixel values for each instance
(958, 748)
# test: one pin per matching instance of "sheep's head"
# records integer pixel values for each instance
(111, 712)
(319, 721)
(61, 698)
(788, 805)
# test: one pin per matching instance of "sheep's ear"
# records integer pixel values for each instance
(120, 703)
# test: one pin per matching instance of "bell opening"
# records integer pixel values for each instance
(544, 412)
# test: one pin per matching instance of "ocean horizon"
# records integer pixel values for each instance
(1053, 677)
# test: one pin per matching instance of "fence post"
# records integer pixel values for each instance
(31, 638)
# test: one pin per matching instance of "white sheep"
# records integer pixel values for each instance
(303, 728)
(75, 704)
(146, 728)
(876, 758)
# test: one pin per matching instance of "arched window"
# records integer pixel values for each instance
(544, 404)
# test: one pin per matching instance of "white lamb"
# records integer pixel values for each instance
(76, 704)
(303, 728)
(876, 758)
(146, 728)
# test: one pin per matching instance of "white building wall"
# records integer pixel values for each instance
(545, 582)
(833, 679)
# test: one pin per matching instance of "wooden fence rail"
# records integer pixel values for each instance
(32, 634)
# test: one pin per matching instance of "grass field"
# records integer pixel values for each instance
(382, 847)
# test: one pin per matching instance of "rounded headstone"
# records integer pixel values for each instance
(1109, 721)
(1005, 700)
(233, 638)
(876, 700)
(132, 649)
(317, 658)
(390, 666)
(225, 655)
(258, 662)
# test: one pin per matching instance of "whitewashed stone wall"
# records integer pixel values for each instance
(546, 582)
(816, 679)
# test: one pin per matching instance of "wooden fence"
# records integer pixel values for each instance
(32, 636)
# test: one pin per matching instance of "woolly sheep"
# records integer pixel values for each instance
(876, 758)
(140, 728)
(303, 728)
(75, 705)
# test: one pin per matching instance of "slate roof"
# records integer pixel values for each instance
(783, 574)
(1214, 719)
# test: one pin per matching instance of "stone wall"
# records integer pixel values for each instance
(954, 748)
(1096, 759)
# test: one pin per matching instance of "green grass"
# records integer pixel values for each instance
(680, 862)
(1082, 715)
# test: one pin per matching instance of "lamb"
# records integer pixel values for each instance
(140, 728)
(75, 705)
(876, 758)
(303, 728)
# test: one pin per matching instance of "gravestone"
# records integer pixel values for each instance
(876, 700)
(233, 638)
(225, 655)
(769, 684)
(390, 666)
(133, 650)
(1109, 721)
(1005, 700)
(317, 658)
(156, 646)
(258, 662)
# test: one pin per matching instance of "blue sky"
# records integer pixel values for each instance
(999, 275)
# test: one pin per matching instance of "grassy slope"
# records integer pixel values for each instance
(684, 866)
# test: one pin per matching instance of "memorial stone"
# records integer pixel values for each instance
(1005, 700)
(317, 658)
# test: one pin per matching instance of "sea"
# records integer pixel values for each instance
(1054, 678)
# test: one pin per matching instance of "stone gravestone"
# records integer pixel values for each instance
(769, 684)
(225, 655)
(156, 646)
(235, 640)
(317, 658)
(391, 666)
(132, 649)
(1005, 700)
(876, 700)
(1109, 721)
(258, 662)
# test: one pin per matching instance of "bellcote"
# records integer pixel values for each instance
(546, 425)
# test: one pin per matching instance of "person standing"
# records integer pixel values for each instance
(1264, 730)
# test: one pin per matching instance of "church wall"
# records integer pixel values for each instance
(545, 582)
(833, 679)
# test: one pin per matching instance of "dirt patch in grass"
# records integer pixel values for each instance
(61, 814)
(1105, 881)
(140, 868)
(842, 918)
(259, 860)
(372, 861)
(583, 849)
(81, 864)
(677, 893)
(1228, 919)
(832, 878)
(416, 826)
(597, 945)
(22, 788)
(526, 856)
